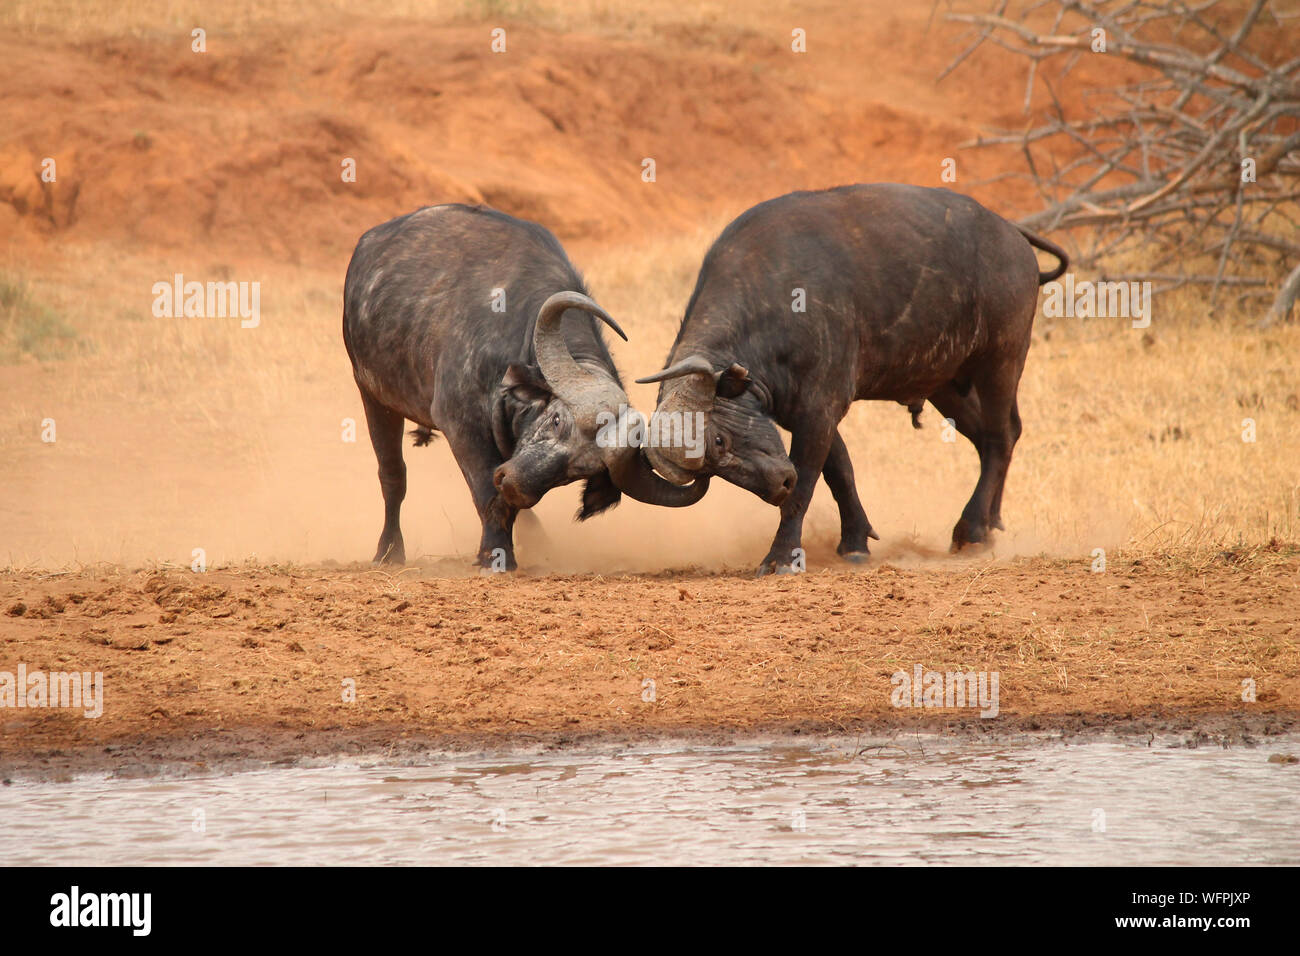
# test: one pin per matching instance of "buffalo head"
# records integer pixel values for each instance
(563, 422)
(739, 442)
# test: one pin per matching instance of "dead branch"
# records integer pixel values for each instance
(1194, 166)
(1285, 300)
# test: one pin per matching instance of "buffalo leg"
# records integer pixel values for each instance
(987, 415)
(855, 529)
(496, 548)
(809, 450)
(385, 426)
(995, 507)
(964, 411)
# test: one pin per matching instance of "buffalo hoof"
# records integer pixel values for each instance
(490, 573)
(771, 567)
(853, 546)
(496, 561)
(965, 534)
(391, 556)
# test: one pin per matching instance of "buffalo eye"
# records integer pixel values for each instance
(555, 420)
(718, 442)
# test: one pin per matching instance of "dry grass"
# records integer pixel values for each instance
(1133, 438)
(86, 18)
(1144, 429)
(180, 432)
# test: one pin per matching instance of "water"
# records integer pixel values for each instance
(919, 800)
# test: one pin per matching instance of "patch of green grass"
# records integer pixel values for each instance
(29, 327)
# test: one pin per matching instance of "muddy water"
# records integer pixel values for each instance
(915, 800)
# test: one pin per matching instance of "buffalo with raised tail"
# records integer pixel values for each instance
(470, 322)
(814, 300)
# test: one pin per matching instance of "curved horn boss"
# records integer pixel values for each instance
(589, 393)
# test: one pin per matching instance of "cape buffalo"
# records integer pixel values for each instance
(811, 301)
(470, 322)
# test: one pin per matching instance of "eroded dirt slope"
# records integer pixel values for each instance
(238, 150)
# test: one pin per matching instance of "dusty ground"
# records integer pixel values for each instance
(176, 434)
(249, 665)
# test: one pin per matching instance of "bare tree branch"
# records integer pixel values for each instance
(1194, 167)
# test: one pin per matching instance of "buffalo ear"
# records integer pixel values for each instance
(525, 383)
(733, 381)
(600, 494)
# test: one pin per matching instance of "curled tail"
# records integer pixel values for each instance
(1038, 242)
(423, 436)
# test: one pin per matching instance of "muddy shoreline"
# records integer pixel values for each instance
(251, 667)
(186, 752)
